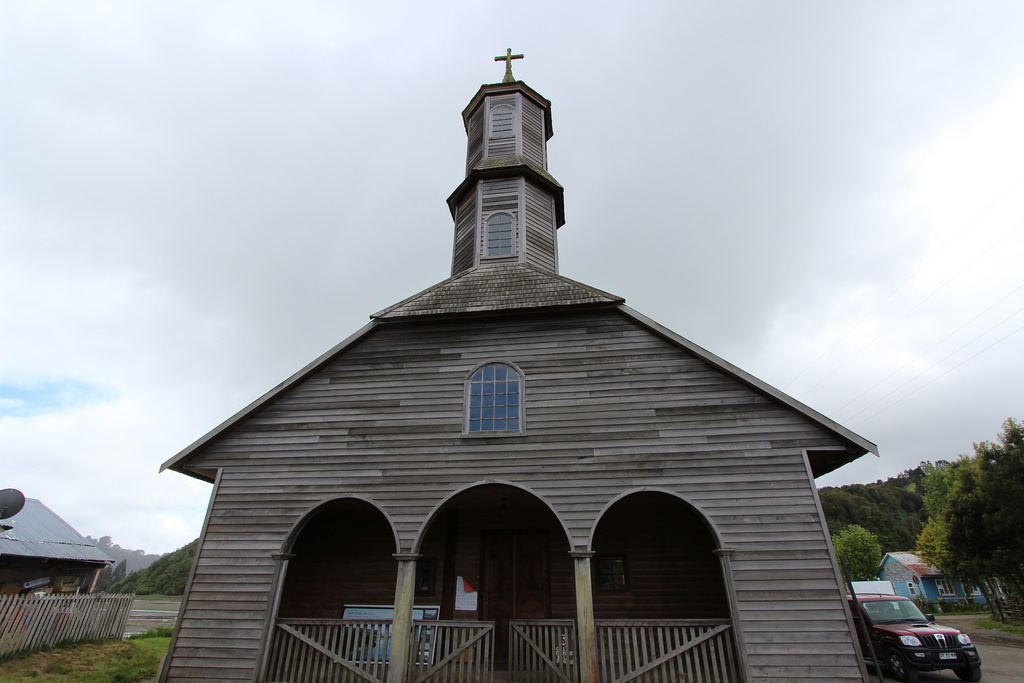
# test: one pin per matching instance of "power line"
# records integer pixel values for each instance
(923, 353)
(915, 307)
(998, 341)
(900, 286)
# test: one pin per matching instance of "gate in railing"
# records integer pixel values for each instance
(354, 650)
(542, 651)
(452, 652)
(663, 651)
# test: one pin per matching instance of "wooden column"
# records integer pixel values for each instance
(586, 636)
(281, 560)
(724, 556)
(401, 623)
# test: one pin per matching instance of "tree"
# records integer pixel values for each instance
(931, 544)
(986, 513)
(860, 550)
(110, 575)
(976, 530)
(938, 486)
(945, 485)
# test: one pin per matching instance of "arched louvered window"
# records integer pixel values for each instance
(500, 234)
(494, 399)
(501, 122)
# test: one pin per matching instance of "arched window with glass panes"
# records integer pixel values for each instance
(494, 400)
(500, 235)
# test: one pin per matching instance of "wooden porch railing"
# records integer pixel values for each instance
(541, 651)
(329, 651)
(30, 622)
(667, 651)
(356, 650)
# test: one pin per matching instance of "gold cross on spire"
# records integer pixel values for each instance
(507, 58)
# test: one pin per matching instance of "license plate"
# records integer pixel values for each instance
(947, 655)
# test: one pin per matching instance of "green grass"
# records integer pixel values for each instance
(159, 597)
(118, 661)
(1015, 627)
(158, 632)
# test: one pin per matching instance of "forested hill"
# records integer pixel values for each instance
(166, 576)
(893, 510)
(134, 559)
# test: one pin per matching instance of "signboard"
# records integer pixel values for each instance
(388, 612)
(382, 653)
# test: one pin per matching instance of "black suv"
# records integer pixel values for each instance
(907, 641)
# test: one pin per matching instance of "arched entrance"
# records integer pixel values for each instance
(660, 597)
(497, 553)
(654, 559)
(342, 557)
(335, 608)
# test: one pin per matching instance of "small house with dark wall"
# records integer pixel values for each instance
(512, 474)
(40, 552)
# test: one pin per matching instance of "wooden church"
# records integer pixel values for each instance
(514, 476)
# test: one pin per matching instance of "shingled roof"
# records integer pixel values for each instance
(498, 287)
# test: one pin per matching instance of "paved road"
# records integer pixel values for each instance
(1002, 655)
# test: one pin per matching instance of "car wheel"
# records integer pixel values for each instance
(969, 673)
(898, 667)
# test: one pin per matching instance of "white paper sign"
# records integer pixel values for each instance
(465, 596)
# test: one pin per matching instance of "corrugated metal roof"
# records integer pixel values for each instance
(915, 564)
(37, 531)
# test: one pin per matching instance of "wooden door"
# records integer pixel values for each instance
(515, 582)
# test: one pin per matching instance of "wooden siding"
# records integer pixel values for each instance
(533, 133)
(532, 209)
(540, 229)
(503, 195)
(499, 147)
(466, 219)
(500, 195)
(611, 408)
(475, 135)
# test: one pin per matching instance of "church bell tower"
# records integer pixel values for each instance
(508, 208)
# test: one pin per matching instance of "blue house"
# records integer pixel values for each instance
(912, 577)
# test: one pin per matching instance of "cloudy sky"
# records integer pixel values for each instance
(198, 198)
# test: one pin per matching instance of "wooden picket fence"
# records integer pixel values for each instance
(30, 622)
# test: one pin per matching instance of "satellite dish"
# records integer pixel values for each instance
(11, 502)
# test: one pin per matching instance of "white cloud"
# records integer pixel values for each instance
(197, 199)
